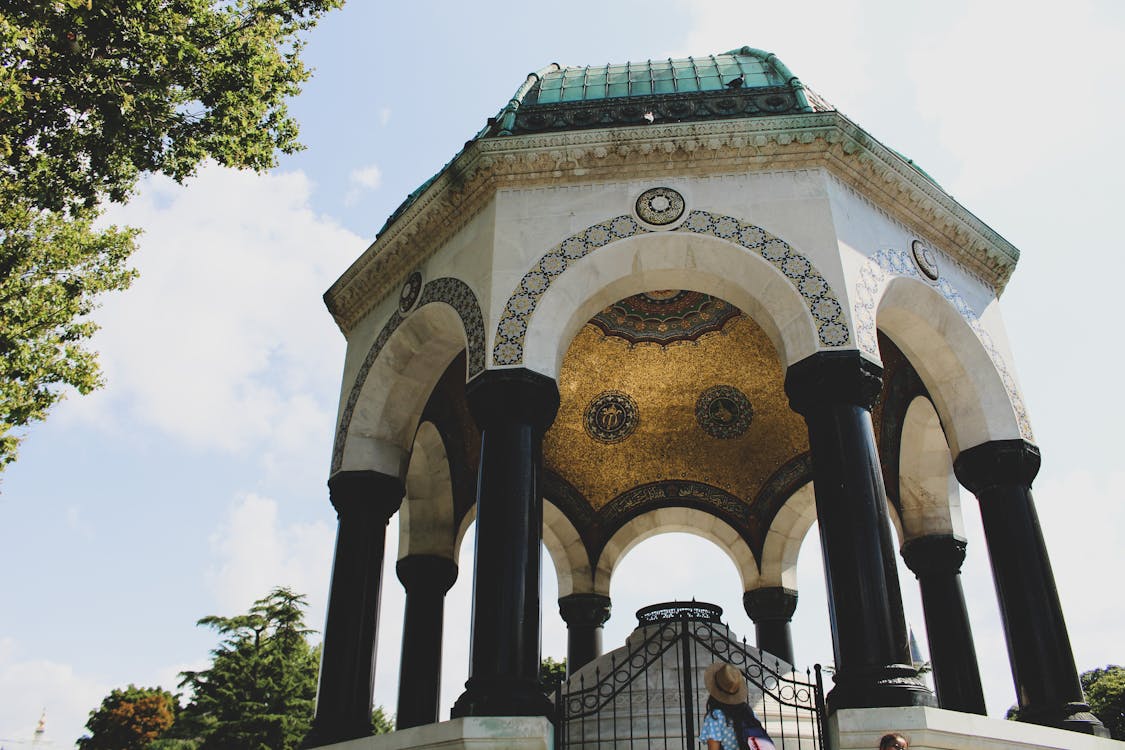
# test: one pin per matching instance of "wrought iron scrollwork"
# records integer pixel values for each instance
(650, 696)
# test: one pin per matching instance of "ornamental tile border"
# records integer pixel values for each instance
(453, 292)
(820, 299)
(873, 279)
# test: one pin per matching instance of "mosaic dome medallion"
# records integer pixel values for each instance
(723, 412)
(611, 417)
(665, 316)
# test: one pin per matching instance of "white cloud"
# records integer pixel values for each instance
(384, 115)
(223, 341)
(1083, 521)
(30, 686)
(721, 25)
(254, 550)
(996, 77)
(362, 180)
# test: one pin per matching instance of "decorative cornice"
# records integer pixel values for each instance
(796, 141)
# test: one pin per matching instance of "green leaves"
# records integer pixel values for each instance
(260, 689)
(129, 719)
(52, 269)
(1105, 692)
(92, 96)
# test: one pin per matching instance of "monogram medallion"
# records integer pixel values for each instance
(611, 417)
(723, 412)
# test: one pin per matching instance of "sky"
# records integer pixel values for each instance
(194, 482)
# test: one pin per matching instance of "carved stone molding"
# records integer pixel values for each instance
(798, 141)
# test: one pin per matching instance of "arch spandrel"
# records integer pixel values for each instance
(722, 255)
(401, 367)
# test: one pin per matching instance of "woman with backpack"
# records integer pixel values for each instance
(730, 723)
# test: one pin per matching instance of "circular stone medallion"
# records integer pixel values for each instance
(409, 294)
(660, 206)
(723, 411)
(925, 259)
(611, 417)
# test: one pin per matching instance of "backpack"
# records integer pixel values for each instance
(757, 739)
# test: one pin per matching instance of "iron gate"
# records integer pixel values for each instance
(653, 696)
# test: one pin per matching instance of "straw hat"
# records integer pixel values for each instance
(725, 683)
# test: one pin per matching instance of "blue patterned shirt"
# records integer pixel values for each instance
(715, 727)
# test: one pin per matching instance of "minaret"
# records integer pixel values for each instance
(40, 728)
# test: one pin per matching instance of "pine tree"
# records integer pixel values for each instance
(259, 692)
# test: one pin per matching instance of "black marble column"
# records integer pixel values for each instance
(364, 502)
(513, 408)
(834, 392)
(426, 579)
(584, 615)
(771, 609)
(1000, 473)
(936, 561)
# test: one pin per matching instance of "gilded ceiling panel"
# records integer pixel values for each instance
(636, 410)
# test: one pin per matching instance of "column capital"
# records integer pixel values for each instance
(513, 395)
(591, 610)
(997, 463)
(433, 571)
(369, 492)
(935, 554)
(770, 603)
(829, 378)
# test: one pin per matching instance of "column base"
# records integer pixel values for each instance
(1074, 717)
(320, 735)
(502, 698)
(894, 685)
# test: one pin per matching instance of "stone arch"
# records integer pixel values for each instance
(687, 520)
(786, 534)
(380, 412)
(562, 542)
(742, 263)
(928, 490)
(568, 552)
(972, 387)
(426, 524)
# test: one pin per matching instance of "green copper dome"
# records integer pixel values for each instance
(740, 83)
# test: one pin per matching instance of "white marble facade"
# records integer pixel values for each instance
(822, 237)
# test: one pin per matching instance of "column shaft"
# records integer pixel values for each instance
(1000, 473)
(513, 408)
(936, 561)
(426, 579)
(364, 502)
(834, 391)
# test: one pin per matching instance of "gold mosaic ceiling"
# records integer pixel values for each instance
(666, 386)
